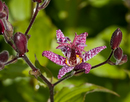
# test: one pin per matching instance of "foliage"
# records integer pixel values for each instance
(99, 19)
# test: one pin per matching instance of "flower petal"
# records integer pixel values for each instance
(81, 40)
(60, 36)
(64, 70)
(54, 57)
(88, 55)
(83, 65)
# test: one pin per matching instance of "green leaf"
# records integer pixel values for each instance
(14, 70)
(127, 72)
(20, 9)
(67, 93)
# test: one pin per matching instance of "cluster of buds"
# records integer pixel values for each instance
(18, 41)
(118, 52)
(5, 26)
(4, 55)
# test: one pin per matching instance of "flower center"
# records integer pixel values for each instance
(74, 59)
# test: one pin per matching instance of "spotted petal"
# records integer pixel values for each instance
(81, 40)
(60, 36)
(64, 70)
(83, 65)
(88, 55)
(54, 57)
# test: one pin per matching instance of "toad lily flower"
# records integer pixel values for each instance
(74, 59)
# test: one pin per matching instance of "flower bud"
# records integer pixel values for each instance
(8, 28)
(5, 10)
(123, 60)
(39, 1)
(116, 39)
(118, 53)
(4, 55)
(35, 73)
(20, 42)
(2, 15)
(1, 66)
(1, 6)
(1, 27)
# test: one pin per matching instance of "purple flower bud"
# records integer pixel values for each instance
(39, 1)
(6, 10)
(4, 55)
(1, 27)
(123, 60)
(20, 42)
(2, 15)
(118, 53)
(1, 66)
(116, 39)
(1, 6)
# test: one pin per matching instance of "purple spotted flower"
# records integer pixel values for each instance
(75, 56)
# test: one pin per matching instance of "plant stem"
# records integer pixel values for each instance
(104, 61)
(51, 88)
(64, 78)
(33, 18)
(14, 59)
(50, 85)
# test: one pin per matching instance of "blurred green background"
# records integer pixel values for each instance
(100, 18)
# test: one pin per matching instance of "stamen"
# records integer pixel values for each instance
(74, 62)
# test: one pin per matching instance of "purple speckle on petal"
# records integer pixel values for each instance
(54, 57)
(88, 55)
(83, 65)
(60, 36)
(64, 70)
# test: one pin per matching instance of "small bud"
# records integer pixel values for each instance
(1, 27)
(36, 73)
(6, 10)
(116, 39)
(118, 53)
(1, 66)
(20, 42)
(4, 55)
(39, 1)
(2, 15)
(9, 28)
(123, 60)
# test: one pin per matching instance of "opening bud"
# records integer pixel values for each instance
(1, 27)
(4, 55)
(116, 39)
(8, 28)
(118, 53)
(123, 60)
(20, 42)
